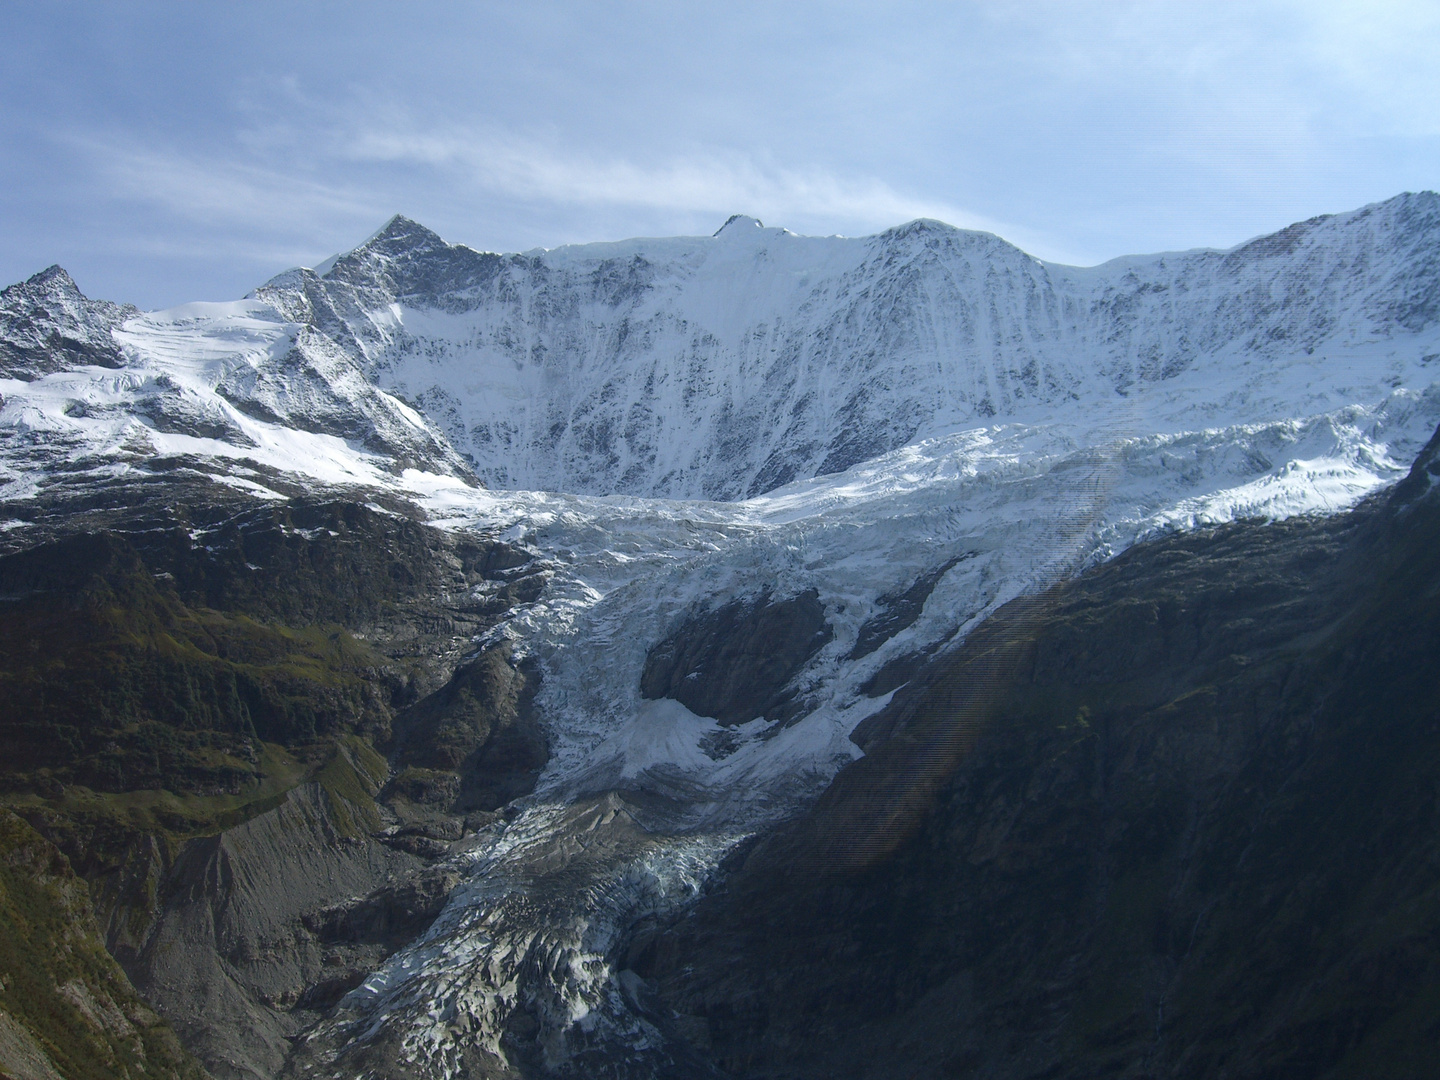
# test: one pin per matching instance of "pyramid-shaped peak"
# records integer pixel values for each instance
(54, 276)
(739, 224)
(53, 282)
(401, 233)
(54, 279)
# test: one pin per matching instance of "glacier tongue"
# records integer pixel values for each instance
(1288, 377)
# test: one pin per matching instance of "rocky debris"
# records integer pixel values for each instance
(1162, 820)
(555, 910)
(736, 662)
(390, 916)
(224, 946)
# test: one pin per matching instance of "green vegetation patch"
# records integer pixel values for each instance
(111, 682)
(58, 982)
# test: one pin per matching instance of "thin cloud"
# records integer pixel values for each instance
(238, 193)
(704, 182)
(217, 190)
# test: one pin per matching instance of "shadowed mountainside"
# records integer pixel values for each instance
(197, 709)
(1174, 818)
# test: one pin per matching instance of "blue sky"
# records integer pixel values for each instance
(170, 152)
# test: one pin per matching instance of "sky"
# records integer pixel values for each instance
(169, 152)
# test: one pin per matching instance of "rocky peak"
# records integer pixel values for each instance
(739, 225)
(47, 324)
(400, 237)
(54, 280)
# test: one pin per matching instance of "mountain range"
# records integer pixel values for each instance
(658, 658)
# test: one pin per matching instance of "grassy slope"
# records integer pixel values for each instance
(57, 980)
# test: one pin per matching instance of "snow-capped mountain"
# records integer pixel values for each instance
(899, 433)
(91, 392)
(722, 367)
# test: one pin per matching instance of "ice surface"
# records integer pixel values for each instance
(1020, 504)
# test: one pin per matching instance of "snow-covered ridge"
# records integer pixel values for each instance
(233, 389)
(720, 367)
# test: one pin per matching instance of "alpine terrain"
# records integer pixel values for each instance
(751, 655)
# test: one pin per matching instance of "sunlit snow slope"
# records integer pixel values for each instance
(91, 393)
(720, 367)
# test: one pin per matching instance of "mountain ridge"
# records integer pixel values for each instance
(577, 702)
(782, 357)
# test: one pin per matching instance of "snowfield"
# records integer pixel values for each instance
(1019, 504)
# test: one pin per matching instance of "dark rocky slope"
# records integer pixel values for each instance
(198, 707)
(736, 662)
(66, 1009)
(1175, 818)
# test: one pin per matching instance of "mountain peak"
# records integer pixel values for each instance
(56, 275)
(52, 281)
(401, 234)
(739, 225)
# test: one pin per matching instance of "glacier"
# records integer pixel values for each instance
(669, 425)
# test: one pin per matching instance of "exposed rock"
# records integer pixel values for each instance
(227, 953)
(391, 915)
(47, 325)
(480, 726)
(898, 611)
(736, 663)
(236, 660)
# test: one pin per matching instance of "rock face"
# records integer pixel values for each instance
(193, 705)
(481, 725)
(47, 325)
(1167, 819)
(736, 663)
(899, 611)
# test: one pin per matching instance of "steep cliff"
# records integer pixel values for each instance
(723, 367)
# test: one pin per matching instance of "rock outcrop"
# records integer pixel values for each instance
(736, 663)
